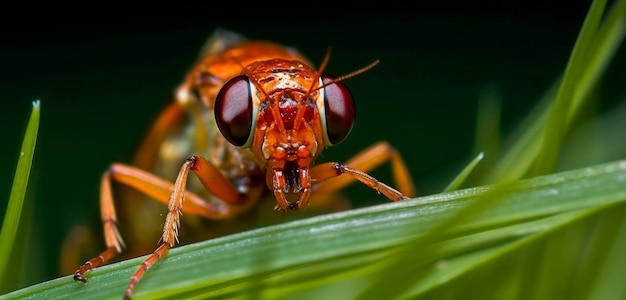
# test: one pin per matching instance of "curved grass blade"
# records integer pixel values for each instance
(556, 125)
(520, 158)
(459, 179)
(344, 254)
(488, 137)
(18, 192)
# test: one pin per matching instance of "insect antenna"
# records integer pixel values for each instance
(346, 76)
(324, 62)
(320, 69)
(322, 66)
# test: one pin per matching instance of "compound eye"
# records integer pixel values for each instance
(233, 110)
(339, 110)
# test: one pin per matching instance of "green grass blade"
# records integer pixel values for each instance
(344, 254)
(522, 151)
(18, 192)
(595, 258)
(603, 47)
(556, 126)
(488, 137)
(459, 179)
(538, 265)
(527, 143)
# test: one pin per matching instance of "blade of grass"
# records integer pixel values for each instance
(556, 125)
(522, 154)
(540, 274)
(18, 192)
(460, 178)
(320, 253)
(404, 275)
(519, 154)
(606, 42)
(487, 136)
(595, 258)
(610, 283)
(422, 257)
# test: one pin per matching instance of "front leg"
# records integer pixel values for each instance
(213, 180)
(330, 170)
(357, 167)
(170, 229)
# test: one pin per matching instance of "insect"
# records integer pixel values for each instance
(258, 117)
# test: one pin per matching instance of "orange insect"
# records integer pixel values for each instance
(260, 116)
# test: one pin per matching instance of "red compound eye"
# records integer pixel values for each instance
(339, 110)
(233, 110)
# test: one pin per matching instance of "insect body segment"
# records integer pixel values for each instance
(261, 116)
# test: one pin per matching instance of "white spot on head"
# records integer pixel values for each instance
(285, 82)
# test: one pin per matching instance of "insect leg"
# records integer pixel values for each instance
(156, 188)
(365, 161)
(112, 235)
(213, 180)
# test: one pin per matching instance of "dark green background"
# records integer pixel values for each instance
(102, 74)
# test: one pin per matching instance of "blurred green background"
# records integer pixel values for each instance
(103, 74)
